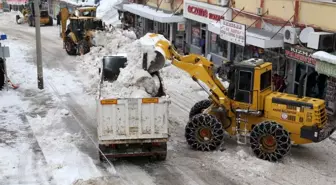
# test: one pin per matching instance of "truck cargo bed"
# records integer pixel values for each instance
(132, 119)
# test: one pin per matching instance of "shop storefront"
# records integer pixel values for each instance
(326, 64)
(202, 36)
(299, 63)
(147, 19)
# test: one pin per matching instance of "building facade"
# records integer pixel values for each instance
(164, 18)
(202, 29)
(303, 33)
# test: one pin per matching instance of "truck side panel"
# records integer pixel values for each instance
(131, 119)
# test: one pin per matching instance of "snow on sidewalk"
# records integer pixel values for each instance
(22, 161)
(43, 151)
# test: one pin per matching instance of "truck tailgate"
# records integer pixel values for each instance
(133, 118)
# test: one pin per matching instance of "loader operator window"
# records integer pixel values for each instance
(245, 80)
(244, 87)
(265, 80)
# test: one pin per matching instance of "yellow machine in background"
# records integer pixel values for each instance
(273, 121)
(29, 17)
(78, 29)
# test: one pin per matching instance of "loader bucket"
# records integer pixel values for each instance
(155, 60)
(157, 63)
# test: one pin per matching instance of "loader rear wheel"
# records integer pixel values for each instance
(270, 141)
(204, 132)
(199, 107)
(69, 46)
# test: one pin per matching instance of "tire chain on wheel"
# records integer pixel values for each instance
(198, 107)
(283, 142)
(204, 121)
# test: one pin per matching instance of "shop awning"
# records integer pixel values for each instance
(255, 37)
(152, 14)
(326, 63)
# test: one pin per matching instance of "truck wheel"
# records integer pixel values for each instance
(69, 46)
(2, 74)
(51, 23)
(204, 132)
(199, 107)
(270, 141)
(162, 156)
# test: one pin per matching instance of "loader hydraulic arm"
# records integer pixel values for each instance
(64, 17)
(199, 68)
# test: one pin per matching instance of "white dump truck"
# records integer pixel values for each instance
(130, 126)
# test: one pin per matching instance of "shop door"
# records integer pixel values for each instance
(156, 27)
(300, 70)
(139, 25)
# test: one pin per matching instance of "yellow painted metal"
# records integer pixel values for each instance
(292, 118)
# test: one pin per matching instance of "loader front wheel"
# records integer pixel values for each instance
(83, 47)
(199, 107)
(270, 141)
(204, 132)
(69, 46)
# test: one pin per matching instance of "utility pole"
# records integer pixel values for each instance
(38, 45)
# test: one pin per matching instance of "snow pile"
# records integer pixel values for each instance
(324, 56)
(133, 81)
(107, 12)
(326, 63)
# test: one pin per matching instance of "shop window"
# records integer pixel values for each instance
(150, 26)
(196, 33)
(265, 80)
(245, 79)
(218, 46)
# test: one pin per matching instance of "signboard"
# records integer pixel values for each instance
(180, 27)
(205, 13)
(233, 32)
(300, 54)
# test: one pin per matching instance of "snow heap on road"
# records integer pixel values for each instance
(133, 81)
(107, 12)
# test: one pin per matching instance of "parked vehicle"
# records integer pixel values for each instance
(130, 126)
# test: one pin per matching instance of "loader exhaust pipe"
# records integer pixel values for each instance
(300, 90)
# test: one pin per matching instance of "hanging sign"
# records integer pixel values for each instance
(300, 54)
(233, 32)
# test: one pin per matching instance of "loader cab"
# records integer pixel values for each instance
(252, 81)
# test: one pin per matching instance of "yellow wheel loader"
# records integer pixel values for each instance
(78, 34)
(29, 16)
(270, 121)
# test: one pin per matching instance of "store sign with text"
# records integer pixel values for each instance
(233, 32)
(300, 54)
(206, 15)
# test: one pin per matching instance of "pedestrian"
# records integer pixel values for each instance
(202, 43)
(58, 16)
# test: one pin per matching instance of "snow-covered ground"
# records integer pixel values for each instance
(49, 136)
